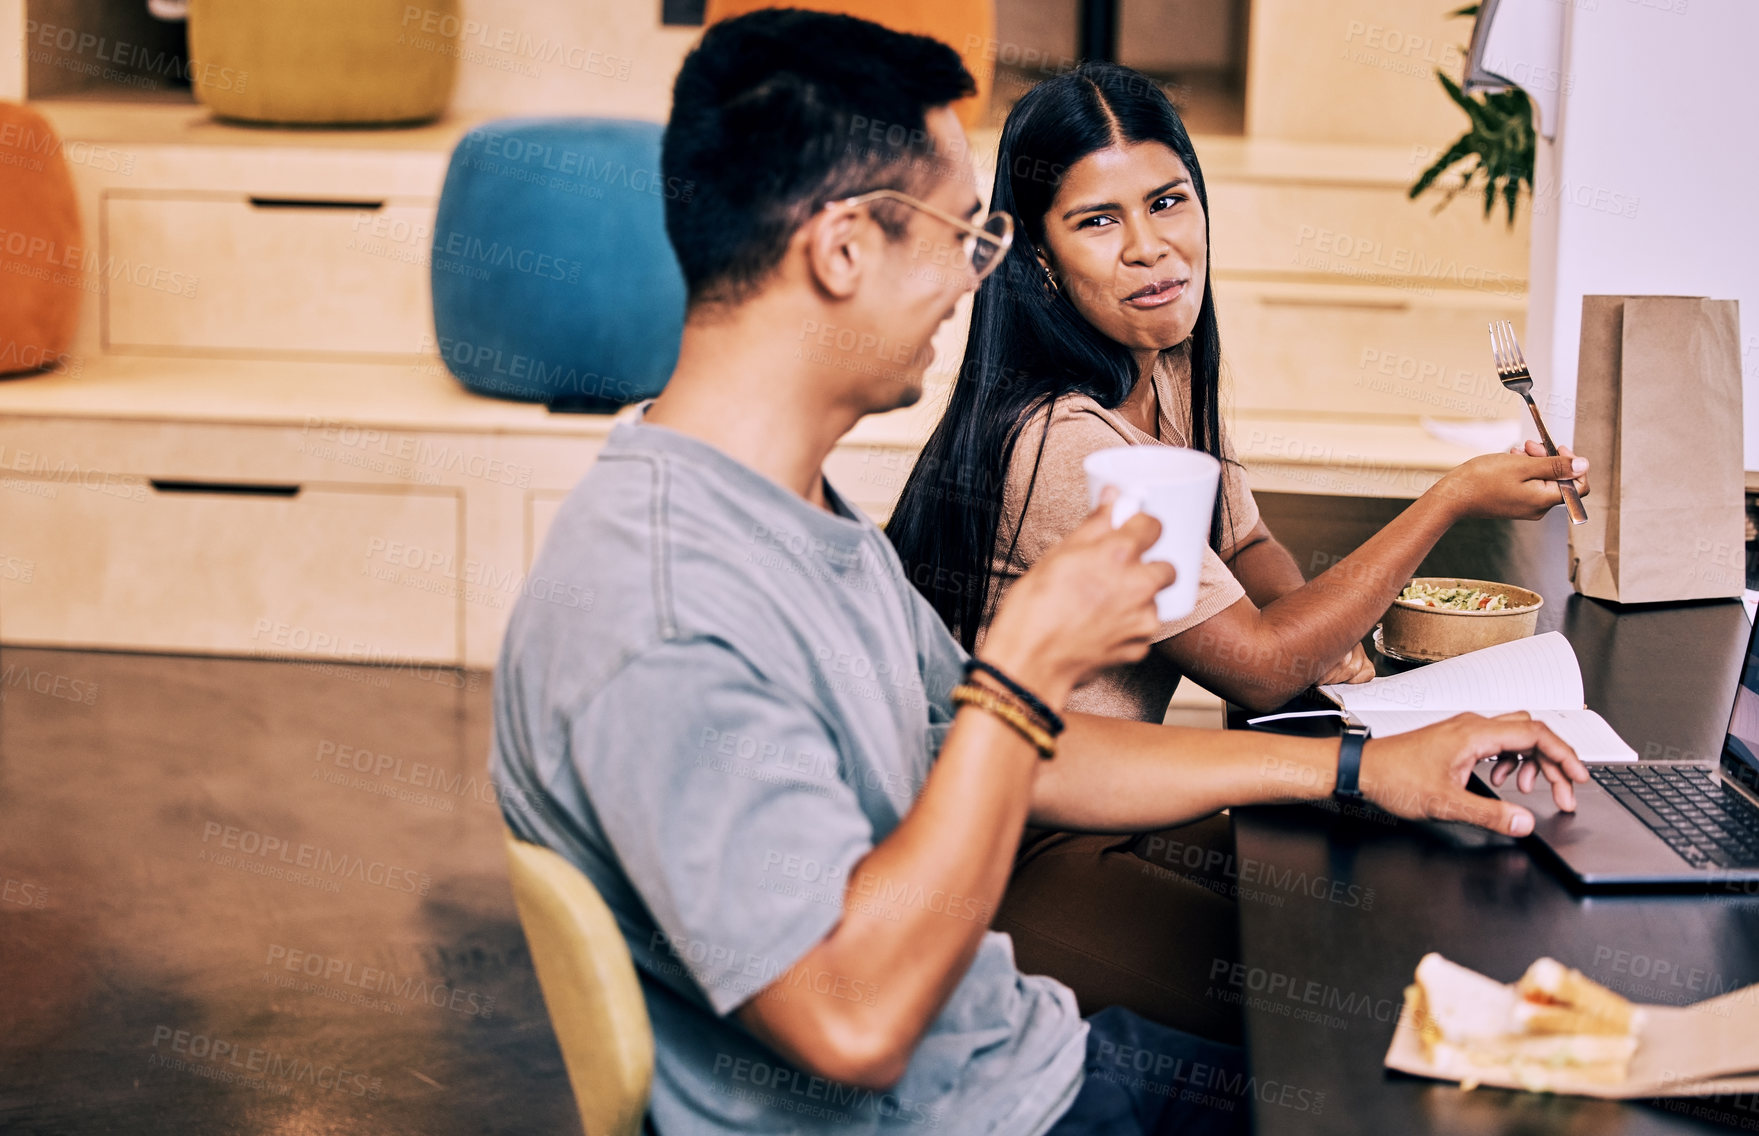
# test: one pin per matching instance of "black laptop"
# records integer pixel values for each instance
(1658, 824)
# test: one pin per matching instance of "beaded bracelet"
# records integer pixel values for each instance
(1048, 717)
(1010, 712)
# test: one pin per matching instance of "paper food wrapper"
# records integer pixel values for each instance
(1705, 1049)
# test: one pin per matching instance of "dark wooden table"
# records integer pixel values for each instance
(1340, 909)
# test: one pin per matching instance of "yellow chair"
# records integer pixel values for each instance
(967, 26)
(590, 989)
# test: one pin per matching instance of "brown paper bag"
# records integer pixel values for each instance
(1658, 414)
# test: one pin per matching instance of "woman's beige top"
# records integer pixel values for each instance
(1078, 427)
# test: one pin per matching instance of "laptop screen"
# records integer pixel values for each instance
(1740, 746)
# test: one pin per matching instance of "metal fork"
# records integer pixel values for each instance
(1511, 368)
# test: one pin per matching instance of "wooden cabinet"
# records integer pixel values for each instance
(357, 512)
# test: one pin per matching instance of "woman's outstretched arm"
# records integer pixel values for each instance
(1262, 657)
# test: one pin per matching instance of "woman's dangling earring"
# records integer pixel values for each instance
(1050, 281)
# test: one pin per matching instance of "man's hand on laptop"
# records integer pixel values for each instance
(1087, 604)
(1422, 775)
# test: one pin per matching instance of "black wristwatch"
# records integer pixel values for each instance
(1350, 760)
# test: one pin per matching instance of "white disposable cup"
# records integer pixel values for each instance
(1176, 487)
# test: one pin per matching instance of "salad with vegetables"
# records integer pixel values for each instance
(1453, 599)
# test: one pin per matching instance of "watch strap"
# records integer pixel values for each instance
(1350, 761)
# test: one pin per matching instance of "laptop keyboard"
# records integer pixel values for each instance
(1710, 825)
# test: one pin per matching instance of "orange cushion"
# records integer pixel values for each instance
(41, 255)
(967, 26)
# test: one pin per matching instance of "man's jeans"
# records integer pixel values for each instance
(1145, 1079)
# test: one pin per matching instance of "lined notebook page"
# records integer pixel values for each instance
(1586, 732)
(1537, 673)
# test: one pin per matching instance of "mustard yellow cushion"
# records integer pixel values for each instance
(42, 257)
(967, 26)
(324, 62)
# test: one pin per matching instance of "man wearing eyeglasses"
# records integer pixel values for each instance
(796, 792)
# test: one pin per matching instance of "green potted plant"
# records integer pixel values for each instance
(1497, 150)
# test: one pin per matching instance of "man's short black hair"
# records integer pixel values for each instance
(775, 113)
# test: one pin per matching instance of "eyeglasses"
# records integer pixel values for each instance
(985, 243)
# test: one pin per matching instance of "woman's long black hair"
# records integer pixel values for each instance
(1029, 346)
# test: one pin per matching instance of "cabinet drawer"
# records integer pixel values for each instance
(326, 571)
(224, 273)
(1369, 353)
(1364, 234)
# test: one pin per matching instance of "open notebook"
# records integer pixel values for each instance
(1539, 675)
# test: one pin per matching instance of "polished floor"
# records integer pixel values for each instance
(258, 897)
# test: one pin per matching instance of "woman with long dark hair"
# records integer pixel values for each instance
(1099, 330)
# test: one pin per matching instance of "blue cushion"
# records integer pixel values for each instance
(553, 279)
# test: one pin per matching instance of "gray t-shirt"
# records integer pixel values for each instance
(724, 698)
